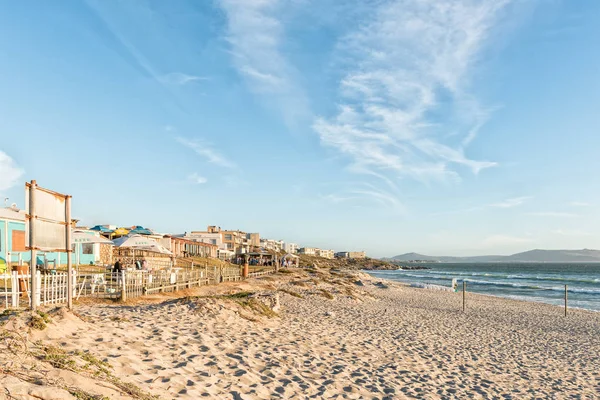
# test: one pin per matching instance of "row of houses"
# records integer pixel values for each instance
(316, 252)
(213, 242)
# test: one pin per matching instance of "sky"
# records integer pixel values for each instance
(445, 127)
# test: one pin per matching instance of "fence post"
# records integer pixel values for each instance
(15, 289)
(38, 289)
(464, 294)
(69, 254)
(33, 261)
(566, 299)
(123, 286)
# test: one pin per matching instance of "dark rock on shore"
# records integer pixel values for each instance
(412, 267)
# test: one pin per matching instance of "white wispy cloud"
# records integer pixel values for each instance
(579, 204)
(557, 214)
(334, 198)
(509, 203)
(179, 78)
(256, 35)
(197, 179)
(207, 152)
(408, 61)
(103, 11)
(570, 232)
(10, 172)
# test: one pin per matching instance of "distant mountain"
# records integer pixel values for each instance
(565, 256)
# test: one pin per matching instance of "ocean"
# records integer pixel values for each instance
(529, 281)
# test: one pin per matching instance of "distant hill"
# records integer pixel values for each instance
(565, 256)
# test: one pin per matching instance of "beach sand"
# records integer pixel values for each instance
(348, 337)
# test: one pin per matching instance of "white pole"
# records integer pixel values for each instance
(33, 262)
(69, 253)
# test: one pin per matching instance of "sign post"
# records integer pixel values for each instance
(69, 246)
(32, 248)
(48, 230)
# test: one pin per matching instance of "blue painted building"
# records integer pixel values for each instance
(12, 243)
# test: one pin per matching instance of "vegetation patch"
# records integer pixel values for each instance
(117, 318)
(132, 389)
(93, 364)
(292, 293)
(235, 296)
(258, 307)
(39, 320)
(248, 317)
(299, 283)
(82, 395)
(9, 312)
(56, 356)
(326, 294)
(285, 271)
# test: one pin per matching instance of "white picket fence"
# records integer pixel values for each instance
(52, 288)
(261, 273)
(15, 290)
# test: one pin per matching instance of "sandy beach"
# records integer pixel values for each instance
(325, 335)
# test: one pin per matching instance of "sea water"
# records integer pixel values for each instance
(529, 281)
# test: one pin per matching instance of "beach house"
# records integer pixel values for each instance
(13, 245)
(325, 253)
(351, 254)
(309, 251)
(182, 246)
(291, 248)
(12, 235)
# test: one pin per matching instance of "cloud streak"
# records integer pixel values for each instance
(510, 203)
(403, 111)
(10, 172)
(180, 79)
(256, 35)
(204, 150)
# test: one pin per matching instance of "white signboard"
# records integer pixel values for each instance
(47, 219)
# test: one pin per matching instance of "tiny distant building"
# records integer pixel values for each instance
(325, 253)
(351, 254)
(309, 251)
(290, 248)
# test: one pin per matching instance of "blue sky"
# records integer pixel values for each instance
(438, 126)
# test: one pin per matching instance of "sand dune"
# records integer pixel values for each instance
(340, 340)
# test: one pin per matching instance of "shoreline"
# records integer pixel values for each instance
(500, 296)
(326, 334)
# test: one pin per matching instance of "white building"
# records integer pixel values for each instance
(270, 244)
(325, 253)
(309, 251)
(205, 237)
(291, 248)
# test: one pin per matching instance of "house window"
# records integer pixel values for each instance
(18, 241)
(228, 237)
(87, 248)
